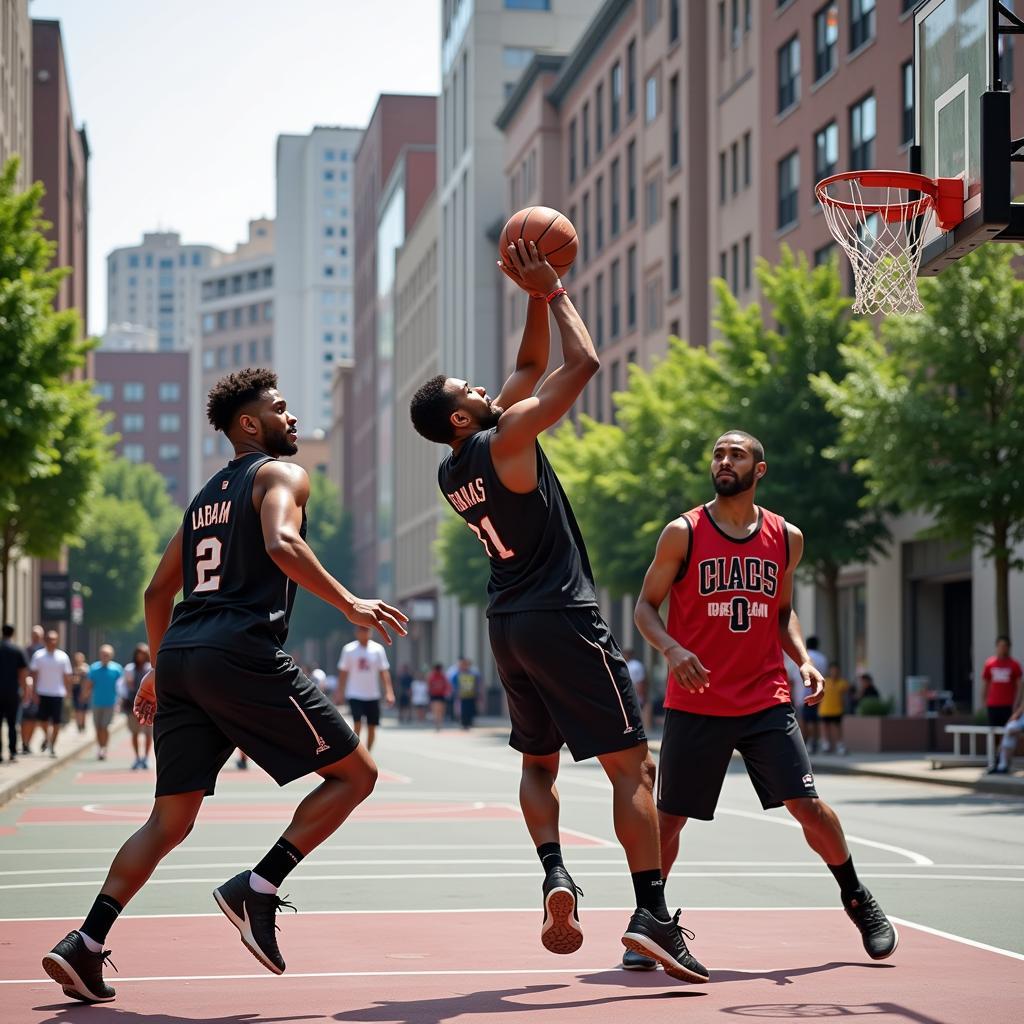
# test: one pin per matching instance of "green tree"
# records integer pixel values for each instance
(461, 560)
(932, 413)
(329, 534)
(769, 370)
(49, 425)
(140, 482)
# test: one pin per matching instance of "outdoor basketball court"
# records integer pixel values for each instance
(425, 907)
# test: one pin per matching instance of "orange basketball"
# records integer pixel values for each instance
(552, 231)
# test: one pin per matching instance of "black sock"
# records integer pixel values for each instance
(101, 918)
(550, 856)
(280, 859)
(649, 887)
(846, 875)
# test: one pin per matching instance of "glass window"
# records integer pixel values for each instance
(516, 57)
(616, 95)
(631, 181)
(599, 313)
(170, 391)
(599, 213)
(862, 134)
(652, 11)
(209, 445)
(824, 254)
(673, 122)
(655, 306)
(747, 268)
(746, 159)
(616, 287)
(614, 187)
(862, 22)
(651, 99)
(527, 5)
(723, 178)
(170, 452)
(907, 74)
(103, 390)
(599, 117)
(652, 201)
(586, 227)
(674, 252)
(789, 73)
(170, 422)
(134, 452)
(631, 285)
(826, 151)
(209, 360)
(631, 78)
(788, 189)
(826, 34)
(133, 391)
(586, 135)
(572, 151)
(133, 423)
(673, 20)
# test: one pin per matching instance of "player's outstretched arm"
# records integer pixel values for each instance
(790, 632)
(535, 347)
(669, 557)
(159, 599)
(285, 491)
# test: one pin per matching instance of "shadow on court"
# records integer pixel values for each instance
(489, 1005)
(784, 976)
(105, 1013)
(891, 1012)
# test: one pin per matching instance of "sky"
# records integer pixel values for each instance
(183, 101)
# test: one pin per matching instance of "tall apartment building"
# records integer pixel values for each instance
(16, 87)
(156, 284)
(60, 160)
(148, 394)
(236, 322)
(314, 256)
(389, 182)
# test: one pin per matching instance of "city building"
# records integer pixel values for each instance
(60, 160)
(392, 182)
(156, 284)
(129, 338)
(148, 394)
(314, 257)
(236, 322)
(16, 87)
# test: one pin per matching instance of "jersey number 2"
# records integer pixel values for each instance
(492, 535)
(208, 554)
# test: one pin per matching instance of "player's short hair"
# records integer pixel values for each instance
(756, 448)
(1003, 638)
(234, 392)
(8, 631)
(431, 409)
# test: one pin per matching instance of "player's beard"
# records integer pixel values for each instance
(490, 418)
(730, 486)
(281, 444)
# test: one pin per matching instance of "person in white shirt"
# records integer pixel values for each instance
(638, 676)
(809, 713)
(362, 670)
(51, 676)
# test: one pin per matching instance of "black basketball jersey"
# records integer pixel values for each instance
(538, 558)
(235, 597)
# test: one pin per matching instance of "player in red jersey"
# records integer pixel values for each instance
(727, 568)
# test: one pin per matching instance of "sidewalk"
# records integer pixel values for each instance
(32, 768)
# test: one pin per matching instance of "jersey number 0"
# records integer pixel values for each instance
(208, 555)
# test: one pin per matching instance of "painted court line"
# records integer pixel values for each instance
(958, 938)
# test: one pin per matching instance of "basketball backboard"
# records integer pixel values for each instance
(962, 118)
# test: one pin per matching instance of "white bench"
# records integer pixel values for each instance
(971, 757)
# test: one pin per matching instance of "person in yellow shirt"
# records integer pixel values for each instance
(830, 710)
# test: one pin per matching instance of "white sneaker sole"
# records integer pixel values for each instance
(246, 933)
(647, 947)
(561, 932)
(67, 977)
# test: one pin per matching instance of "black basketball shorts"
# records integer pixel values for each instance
(363, 709)
(695, 754)
(210, 701)
(566, 682)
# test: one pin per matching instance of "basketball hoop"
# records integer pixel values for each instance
(883, 232)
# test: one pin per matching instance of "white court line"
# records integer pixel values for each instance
(958, 938)
(459, 875)
(261, 847)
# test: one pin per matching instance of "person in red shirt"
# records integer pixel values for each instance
(1002, 677)
(440, 689)
(727, 568)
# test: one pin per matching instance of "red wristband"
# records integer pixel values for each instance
(554, 295)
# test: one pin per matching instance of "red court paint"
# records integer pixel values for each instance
(767, 965)
(232, 775)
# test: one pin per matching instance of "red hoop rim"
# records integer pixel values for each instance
(946, 195)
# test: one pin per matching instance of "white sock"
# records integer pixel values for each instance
(91, 944)
(259, 884)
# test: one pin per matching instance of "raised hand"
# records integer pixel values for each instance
(377, 615)
(529, 269)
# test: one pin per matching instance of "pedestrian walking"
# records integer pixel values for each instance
(810, 725)
(1002, 675)
(104, 680)
(420, 697)
(638, 676)
(80, 689)
(466, 684)
(141, 732)
(28, 713)
(404, 692)
(363, 678)
(13, 683)
(51, 680)
(439, 689)
(831, 708)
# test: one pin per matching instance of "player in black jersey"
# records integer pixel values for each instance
(563, 673)
(222, 679)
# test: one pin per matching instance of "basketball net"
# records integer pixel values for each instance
(883, 235)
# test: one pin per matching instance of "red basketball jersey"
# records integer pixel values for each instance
(725, 609)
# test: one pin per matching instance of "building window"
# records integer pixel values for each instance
(674, 261)
(134, 452)
(651, 99)
(586, 227)
(103, 390)
(655, 305)
(599, 117)
(170, 423)
(907, 72)
(673, 21)
(789, 73)
(170, 452)
(652, 11)
(133, 423)
(586, 135)
(862, 23)
(631, 78)
(572, 151)
(652, 201)
(133, 391)
(826, 35)
(723, 185)
(789, 188)
(516, 57)
(209, 360)
(673, 118)
(527, 5)
(599, 317)
(826, 151)
(599, 213)
(209, 445)
(631, 182)
(631, 288)
(615, 186)
(746, 159)
(170, 391)
(616, 286)
(734, 155)
(615, 88)
(862, 134)
(824, 254)
(747, 268)
(735, 267)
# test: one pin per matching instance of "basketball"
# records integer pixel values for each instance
(552, 231)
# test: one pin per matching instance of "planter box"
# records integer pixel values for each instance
(894, 733)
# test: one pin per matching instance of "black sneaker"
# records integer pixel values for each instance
(78, 970)
(880, 937)
(997, 770)
(561, 931)
(637, 962)
(252, 913)
(663, 940)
